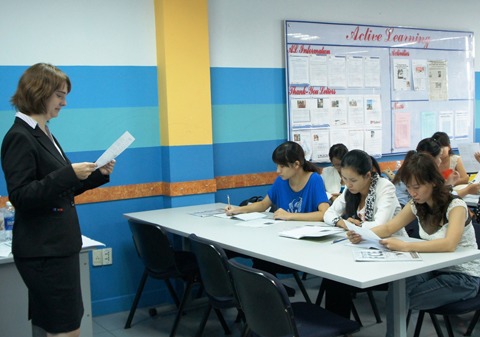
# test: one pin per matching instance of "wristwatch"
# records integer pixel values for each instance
(336, 220)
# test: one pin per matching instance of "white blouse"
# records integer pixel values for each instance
(386, 206)
(468, 239)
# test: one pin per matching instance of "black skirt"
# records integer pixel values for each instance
(54, 292)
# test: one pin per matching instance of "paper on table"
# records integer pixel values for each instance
(243, 216)
(369, 238)
(310, 231)
(258, 222)
(115, 149)
(373, 255)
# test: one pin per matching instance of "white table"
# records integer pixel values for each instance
(14, 296)
(318, 257)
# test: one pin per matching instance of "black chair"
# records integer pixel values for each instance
(216, 279)
(268, 311)
(271, 267)
(162, 262)
(451, 309)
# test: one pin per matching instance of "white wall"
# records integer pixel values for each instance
(77, 32)
(249, 33)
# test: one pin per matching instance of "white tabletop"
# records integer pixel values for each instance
(314, 256)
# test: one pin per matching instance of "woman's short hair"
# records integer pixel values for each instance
(36, 85)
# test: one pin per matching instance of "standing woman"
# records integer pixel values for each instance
(368, 200)
(41, 184)
(444, 225)
(450, 160)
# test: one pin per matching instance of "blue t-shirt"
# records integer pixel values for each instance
(303, 201)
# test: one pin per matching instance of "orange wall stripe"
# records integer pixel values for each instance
(103, 194)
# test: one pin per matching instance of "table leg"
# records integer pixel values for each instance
(400, 310)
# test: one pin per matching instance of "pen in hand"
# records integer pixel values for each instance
(228, 201)
(339, 240)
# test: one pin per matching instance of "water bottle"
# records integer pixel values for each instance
(8, 220)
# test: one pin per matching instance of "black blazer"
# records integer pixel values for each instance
(41, 185)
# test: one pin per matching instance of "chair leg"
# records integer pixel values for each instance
(409, 314)
(172, 292)
(373, 303)
(222, 322)
(418, 326)
(448, 324)
(141, 285)
(179, 314)
(436, 325)
(321, 292)
(204, 321)
(355, 314)
(472, 324)
(302, 287)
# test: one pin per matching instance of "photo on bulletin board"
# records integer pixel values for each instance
(377, 88)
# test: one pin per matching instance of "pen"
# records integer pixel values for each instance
(228, 200)
(338, 240)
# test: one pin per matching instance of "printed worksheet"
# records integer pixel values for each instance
(115, 149)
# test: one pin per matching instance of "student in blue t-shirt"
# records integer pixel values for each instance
(298, 192)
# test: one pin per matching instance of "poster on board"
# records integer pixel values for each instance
(378, 88)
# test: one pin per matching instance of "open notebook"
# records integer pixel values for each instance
(310, 231)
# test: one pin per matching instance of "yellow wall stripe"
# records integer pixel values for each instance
(183, 60)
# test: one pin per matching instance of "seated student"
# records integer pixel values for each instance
(425, 145)
(428, 145)
(444, 225)
(331, 174)
(298, 192)
(368, 200)
(450, 160)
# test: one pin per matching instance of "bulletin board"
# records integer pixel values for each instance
(377, 88)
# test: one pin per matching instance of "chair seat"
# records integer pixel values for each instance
(308, 318)
(458, 308)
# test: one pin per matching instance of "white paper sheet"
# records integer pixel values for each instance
(115, 149)
(369, 238)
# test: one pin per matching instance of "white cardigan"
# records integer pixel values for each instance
(386, 205)
(331, 179)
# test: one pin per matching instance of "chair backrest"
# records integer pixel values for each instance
(153, 246)
(213, 265)
(476, 227)
(254, 199)
(263, 300)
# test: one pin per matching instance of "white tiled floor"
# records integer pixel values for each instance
(143, 325)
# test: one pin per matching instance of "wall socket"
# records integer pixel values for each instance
(107, 256)
(102, 257)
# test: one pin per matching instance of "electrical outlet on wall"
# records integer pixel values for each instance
(97, 257)
(107, 256)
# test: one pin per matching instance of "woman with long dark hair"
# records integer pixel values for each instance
(444, 225)
(368, 200)
(298, 192)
